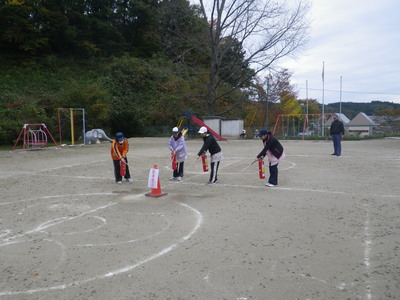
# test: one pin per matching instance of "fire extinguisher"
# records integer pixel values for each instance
(204, 162)
(261, 169)
(122, 168)
(173, 158)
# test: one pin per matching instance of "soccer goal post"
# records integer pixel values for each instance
(300, 125)
(72, 123)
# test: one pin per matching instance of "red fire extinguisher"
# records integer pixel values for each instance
(173, 158)
(204, 162)
(122, 168)
(261, 169)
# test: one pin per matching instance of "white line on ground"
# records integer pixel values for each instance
(58, 196)
(279, 188)
(11, 174)
(199, 222)
(57, 221)
(134, 240)
(367, 251)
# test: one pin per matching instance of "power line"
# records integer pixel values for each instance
(353, 92)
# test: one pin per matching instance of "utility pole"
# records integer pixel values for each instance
(267, 100)
(340, 104)
(323, 95)
(307, 106)
(307, 97)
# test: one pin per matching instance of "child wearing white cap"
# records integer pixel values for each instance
(177, 146)
(210, 144)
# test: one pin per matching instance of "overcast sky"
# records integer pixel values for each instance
(358, 40)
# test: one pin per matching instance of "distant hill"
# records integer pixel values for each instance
(351, 109)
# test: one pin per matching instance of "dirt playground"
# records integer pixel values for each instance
(330, 230)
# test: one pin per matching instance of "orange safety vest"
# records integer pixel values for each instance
(118, 150)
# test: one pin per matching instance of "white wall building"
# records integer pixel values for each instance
(230, 128)
(363, 125)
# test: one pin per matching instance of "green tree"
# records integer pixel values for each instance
(182, 34)
(277, 95)
(80, 28)
(138, 23)
(21, 26)
(313, 106)
(93, 97)
(147, 92)
(391, 116)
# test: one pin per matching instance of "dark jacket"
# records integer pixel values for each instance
(273, 145)
(337, 127)
(210, 144)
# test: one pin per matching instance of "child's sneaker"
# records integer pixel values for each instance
(210, 182)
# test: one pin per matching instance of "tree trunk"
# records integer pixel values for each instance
(211, 94)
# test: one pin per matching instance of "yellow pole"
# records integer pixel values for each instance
(184, 131)
(71, 111)
(180, 122)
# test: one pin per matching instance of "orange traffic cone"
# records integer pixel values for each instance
(156, 192)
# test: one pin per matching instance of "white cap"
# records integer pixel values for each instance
(175, 130)
(203, 129)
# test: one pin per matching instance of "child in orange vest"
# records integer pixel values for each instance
(119, 149)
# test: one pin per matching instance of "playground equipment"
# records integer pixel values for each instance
(34, 136)
(190, 116)
(71, 112)
(94, 136)
(300, 125)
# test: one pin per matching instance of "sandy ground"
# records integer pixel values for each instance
(330, 230)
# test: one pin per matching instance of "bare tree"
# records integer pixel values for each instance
(264, 30)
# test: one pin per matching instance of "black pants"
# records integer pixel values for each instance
(117, 170)
(178, 172)
(273, 174)
(214, 171)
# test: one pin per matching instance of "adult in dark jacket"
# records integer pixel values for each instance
(210, 144)
(275, 153)
(337, 133)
